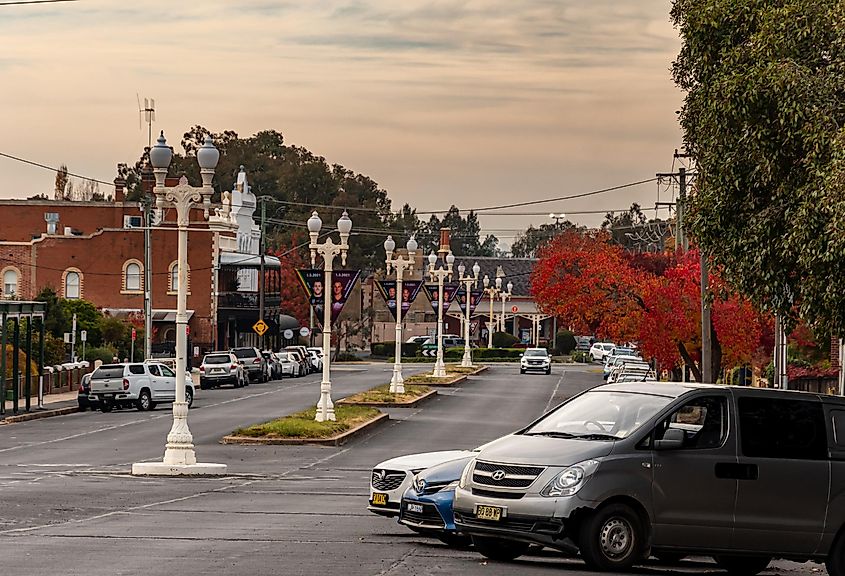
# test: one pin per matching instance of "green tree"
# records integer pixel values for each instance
(763, 118)
(115, 332)
(88, 318)
(56, 320)
(529, 242)
(465, 231)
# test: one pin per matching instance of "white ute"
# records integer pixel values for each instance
(141, 384)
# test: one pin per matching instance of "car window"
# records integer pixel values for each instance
(838, 418)
(704, 422)
(103, 372)
(779, 428)
(244, 353)
(542, 353)
(165, 371)
(154, 370)
(136, 369)
(216, 359)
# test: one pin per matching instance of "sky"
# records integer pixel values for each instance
(466, 102)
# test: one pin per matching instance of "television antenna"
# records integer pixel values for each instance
(149, 116)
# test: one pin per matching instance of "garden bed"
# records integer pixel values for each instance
(381, 396)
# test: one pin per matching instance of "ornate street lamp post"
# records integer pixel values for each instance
(399, 265)
(505, 297)
(469, 283)
(492, 292)
(179, 456)
(440, 274)
(327, 250)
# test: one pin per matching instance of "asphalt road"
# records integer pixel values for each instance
(68, 505)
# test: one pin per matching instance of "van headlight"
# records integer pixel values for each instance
(571, 480)
(462, 483)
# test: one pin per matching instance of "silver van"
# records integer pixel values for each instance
(624, 471)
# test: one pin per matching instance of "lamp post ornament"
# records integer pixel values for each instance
(492, 292)
(440, 274)
(469, 283)
(505, 297)
(399, 265)
(179, 455)
(327, 250)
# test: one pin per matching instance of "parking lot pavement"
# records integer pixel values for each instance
(68, 505)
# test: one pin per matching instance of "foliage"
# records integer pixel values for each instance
(504, 340)
(465, 234)
(580, 356)
(293, 300)
(528, 243)
(384, 349)
(382, 394)
(55, 349)
(114, 330)
(21, 362)
(303, 425)
(56, 320)
(763, 118)
(88, 318)
(565, 341)
(106, 354)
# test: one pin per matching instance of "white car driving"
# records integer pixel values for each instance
(600, 349)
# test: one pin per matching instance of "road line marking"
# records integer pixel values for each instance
(554, 392)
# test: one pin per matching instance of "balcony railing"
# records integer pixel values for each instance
(247, 300)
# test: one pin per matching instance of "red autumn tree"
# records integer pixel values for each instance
(294, 302)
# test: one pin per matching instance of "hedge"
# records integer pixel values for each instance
(385, 349)
(504, 340)
(565, 341)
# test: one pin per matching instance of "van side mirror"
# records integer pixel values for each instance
(673, 439)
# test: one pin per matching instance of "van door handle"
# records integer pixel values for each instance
(735, 471)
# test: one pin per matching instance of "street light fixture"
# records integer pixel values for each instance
(492, 292)
(179, 456)
(327, 250)
(557, 217)
(399, 265)
(440, 274)
(469, 283)
(505, 297)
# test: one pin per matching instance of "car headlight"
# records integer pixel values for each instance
(571, 480)
(465, 474)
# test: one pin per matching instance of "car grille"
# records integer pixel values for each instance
(505, 475)
(428, 517)
(507, 522)
(387, 479)
(496, 494)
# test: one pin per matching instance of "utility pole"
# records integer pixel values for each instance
(148, 278)
(706, 342)
(261, 248)
(73, 340)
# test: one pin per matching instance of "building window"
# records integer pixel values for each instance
(173, 281)
(10, 282)
(72, 282)
(133, 281)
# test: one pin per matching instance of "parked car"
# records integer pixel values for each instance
(303, 364)
(417, 340)
(220, 368)
(306, 357)
(288, 366)
(535, 359)
(83, 398)
(599, 350)
(390, 479)
(273, 367)
(615, 361)
(171, 363)
(583, 343)
(142, 385)
(738, 473)
(253, 363)
(316, 359)
(427, 503)
(637, 369)
(617, 351)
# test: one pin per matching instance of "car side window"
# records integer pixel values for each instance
(136, 369)
(838, 419)
(704, 421)
(165, 371)
(154, 370)
(781, 428)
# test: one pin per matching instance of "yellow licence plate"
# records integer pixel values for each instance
(488, 513)
(379, 499)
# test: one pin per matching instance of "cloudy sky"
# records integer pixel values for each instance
(470, 102)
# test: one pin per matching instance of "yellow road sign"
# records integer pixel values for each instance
(260, 327)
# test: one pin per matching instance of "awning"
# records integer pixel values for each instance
(159, 315)
(248, 260)
(167, 315)
(288, 322)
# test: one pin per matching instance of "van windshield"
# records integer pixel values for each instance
(600, 415)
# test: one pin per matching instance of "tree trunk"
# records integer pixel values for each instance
(696, 370)
(715, 353)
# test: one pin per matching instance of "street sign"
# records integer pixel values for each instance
(304, 331)
(134, 334)
(515, 309)
(260, 327)
(83, 335)
(288, 334)
(67, 337)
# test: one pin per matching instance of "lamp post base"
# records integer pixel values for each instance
(163, 469)
(439, 370)
(397, 382)
(466, 361)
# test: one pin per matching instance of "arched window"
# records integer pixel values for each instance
(174, 278)
(133, 278)
(10, 283)
(73, 284)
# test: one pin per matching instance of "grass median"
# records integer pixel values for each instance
(383, 395)
(303, 425)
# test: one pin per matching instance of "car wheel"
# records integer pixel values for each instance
(548, 371)
(144, 401)
(743, 565)
(522, 370)
(189, 396)
(83, 405)
(204, 386)
(612, 538)
(499, 549)
(835, 562)
(106, 406)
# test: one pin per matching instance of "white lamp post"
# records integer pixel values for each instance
(327, 250)
(179, 456)
(505, 297)
(492, 292)
(440, 274)
(399, 265)
(469, 283)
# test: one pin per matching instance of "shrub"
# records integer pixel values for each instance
(580, 356)
(385, 349)
(105, 354)
(504, 340)
(565, 342)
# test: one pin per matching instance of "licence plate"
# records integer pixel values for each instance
(417, 508)
(217, 371)
(488, 513)
(379, 499)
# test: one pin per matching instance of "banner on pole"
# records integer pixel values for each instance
(410, 289)
(312, 281)
(450, 290)
(343, 281)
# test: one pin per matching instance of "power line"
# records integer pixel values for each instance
(51, 168)
(22, 2)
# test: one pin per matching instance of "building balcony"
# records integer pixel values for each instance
(247, 300)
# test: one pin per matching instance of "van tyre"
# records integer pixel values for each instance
(499, 549)
(612, 538)
(835, 562)
(145, 401)
(744, 565)
(189, 396)
(106, 405)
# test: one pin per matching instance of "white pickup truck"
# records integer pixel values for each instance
(140, 384)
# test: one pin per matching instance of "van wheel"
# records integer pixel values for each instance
(105, 405)
(144, 400)
(743, 565)
(499, 549)
(612, 538)
(189, 396)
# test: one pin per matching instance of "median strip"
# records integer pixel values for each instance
(381, 396)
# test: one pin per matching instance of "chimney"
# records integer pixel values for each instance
(445, 241)
(119, 189)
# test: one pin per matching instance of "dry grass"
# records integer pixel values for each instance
(383, 395)
(303, 425)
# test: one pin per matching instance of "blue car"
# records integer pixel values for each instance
(427, 504)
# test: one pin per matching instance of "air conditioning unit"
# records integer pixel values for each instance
(132, 222)
(52, 220)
